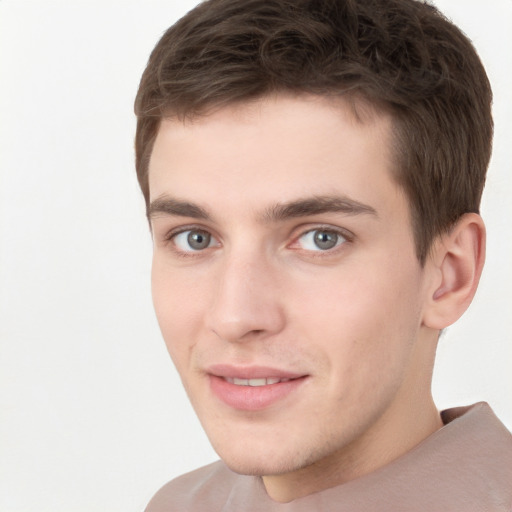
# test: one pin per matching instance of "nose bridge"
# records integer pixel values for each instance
(245, 302)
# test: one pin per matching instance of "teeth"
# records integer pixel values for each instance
(254, 382)
(257, 382)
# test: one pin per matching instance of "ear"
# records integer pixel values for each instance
(456, 264)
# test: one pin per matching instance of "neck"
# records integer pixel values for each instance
(409, 419)
(378, 447)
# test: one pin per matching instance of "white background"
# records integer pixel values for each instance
(93, 417)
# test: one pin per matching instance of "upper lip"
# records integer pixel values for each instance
(251, 372)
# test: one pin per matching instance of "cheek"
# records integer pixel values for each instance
(178, 307)
(348, 317)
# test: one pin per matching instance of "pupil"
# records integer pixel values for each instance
(325, 240)
(198, 240)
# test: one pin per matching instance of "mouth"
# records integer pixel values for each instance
(253, 388)
(255, 382)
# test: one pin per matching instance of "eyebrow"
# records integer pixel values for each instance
(317, 205)
(279, 212)
(170, 206)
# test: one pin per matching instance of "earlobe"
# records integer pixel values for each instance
(457, 260)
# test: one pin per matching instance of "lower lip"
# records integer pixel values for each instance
(253, 398)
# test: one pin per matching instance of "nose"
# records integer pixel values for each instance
(247, 300)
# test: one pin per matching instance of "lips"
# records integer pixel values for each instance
(251, 372)
(255, 382)
(252, 388)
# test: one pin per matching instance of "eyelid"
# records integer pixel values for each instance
(303, 230)
(296, 234)
(169, 236)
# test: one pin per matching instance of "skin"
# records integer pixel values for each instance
(359, 321)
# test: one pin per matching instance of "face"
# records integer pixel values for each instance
(285, 281)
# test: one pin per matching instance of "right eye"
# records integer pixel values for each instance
(193, 240)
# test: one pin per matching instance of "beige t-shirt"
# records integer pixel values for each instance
(466, 466)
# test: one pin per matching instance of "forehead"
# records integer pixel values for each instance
(273, 150)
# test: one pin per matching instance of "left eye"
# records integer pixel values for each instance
(193, 240)
(320, 240)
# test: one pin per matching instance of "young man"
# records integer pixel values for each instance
(313, 172)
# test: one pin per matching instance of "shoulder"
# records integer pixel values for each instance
(468, 463)
(201, 489)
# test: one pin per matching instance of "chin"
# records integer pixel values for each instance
(248, 459)
(255, 467)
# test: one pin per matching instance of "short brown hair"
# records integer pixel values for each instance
(403, 55)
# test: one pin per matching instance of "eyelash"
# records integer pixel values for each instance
(171, 236)
(346, 235)
(342, 233)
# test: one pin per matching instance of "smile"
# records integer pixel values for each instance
(255, 393)
(255, 382)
